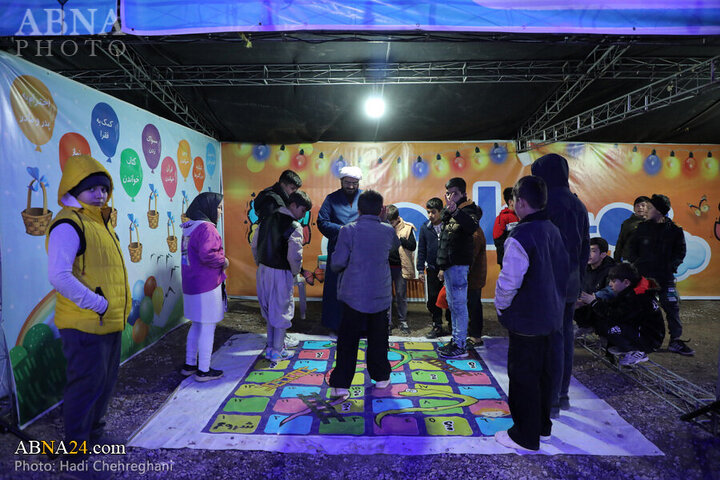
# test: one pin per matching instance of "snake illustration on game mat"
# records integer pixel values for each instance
(465, 401)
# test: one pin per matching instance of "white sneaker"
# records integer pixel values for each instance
(291, 341)
(339, 392)
(382, 384)
(632, 358)
(504, 439)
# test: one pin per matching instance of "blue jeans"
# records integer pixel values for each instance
(563, 350)
(456, 285)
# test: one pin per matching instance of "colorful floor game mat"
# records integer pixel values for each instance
(433, 405)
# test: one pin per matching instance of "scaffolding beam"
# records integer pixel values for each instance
(137, 73)
(600, 59)
(546, 71)
(661, 93)
(681, 394)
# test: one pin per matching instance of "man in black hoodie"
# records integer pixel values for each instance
(657, 248)
(454, 256)
(569, 214)
(594, 283)
(276, 196)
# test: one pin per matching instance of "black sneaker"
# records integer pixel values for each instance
(404, 329)
(188, 370)
(211, 374)
(436, 332)
(678, 346)
(452, 350)
(473, 343)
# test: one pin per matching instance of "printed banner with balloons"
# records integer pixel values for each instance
(606, 177)
(45, 121)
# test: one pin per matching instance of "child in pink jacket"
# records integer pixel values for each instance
(203, 264)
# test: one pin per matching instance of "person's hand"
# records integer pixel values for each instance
(441, 275)
(227, 263)
(587, 298)
(451, 206)
(421, 277)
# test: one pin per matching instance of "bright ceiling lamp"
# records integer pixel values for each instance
(374, 107)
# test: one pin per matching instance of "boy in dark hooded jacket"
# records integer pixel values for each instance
(631, 320)
(454, 257)
(657, 248)
(569, 214)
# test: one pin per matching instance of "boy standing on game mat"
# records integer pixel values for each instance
(364, 288)
(277, 249)
(529, 299)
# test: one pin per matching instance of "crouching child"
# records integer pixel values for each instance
(632, 320)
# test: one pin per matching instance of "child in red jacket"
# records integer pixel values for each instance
(504, 222)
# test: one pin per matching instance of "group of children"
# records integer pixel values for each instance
(372, 254)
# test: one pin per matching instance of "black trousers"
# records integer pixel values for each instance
(529, 398)
(92, 370)
(475, 327)
(434, 285)
(351, 325)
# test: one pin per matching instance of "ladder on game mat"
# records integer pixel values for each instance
(683, 395)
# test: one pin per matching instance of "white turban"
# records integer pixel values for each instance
(352, 172)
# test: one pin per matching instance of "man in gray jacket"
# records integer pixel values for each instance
(364, 288)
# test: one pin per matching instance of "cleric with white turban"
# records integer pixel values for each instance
(338, 209)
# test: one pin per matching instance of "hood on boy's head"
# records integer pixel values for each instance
(552, 168)
(204, 207)
(77, 169)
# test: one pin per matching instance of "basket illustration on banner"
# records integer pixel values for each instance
(171, 239)
(153, 216)
(36, 219)
(185, 203)
(135, 248)
(113, 213)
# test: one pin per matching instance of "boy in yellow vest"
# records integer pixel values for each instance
(86, 267)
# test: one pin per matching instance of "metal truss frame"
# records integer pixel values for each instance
(670, 387)
(139, 74)
(600, 59)
(385, 73)
(666, 91)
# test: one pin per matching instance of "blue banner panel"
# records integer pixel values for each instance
(667, 17)
(49, 18)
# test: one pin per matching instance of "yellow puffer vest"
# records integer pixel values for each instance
(101, 264)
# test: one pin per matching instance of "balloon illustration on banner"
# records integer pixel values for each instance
(634, 165)
(672, 166)
(440, 166)
(168, 173)
(281, 158)
(105, 127)
(480, 159)
(498, 154)
(337, 165)
(458, 163)
(299, 161)
(151, 145)
(34, 109)
(261, 152)
(420, 168)
(71, 145)
(211, 158)
(690, 165)
(199, 173)
(710, 167)
(184, 159)
(652, 164)
(131, 174)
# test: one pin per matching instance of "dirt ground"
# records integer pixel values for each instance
(148, 379)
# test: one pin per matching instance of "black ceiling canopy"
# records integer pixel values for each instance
(310, 86)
